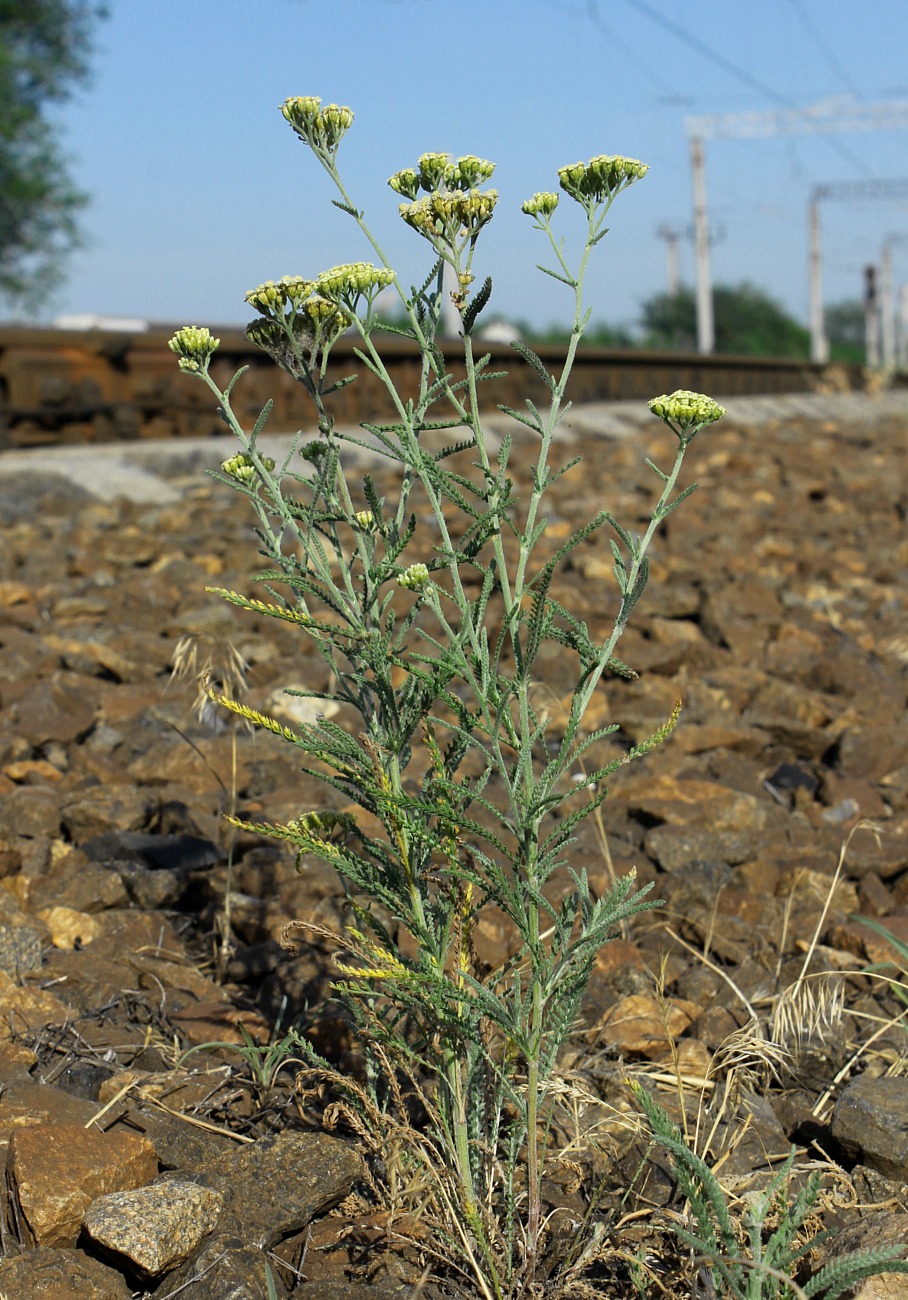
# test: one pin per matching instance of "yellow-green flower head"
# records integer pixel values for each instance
(295, 289)
(241, 467)
(405, 183)
(274, 296)
(423, 216)
(543, 203)
(447, 217)
(264, 333)
(333, 123)
(432, 168)
(324, 319)
(195, 346)
(365, 519)
(601, 178)
(477, 208)
(468, 172)
(301, 112)
(686, 410)
(266, 298)
(321, 128)
(344, 284)
(416, 576)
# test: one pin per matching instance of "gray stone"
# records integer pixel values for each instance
(155, 1228)
(20, 947)
(870, 1124)
(678, 847)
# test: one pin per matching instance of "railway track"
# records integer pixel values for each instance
(81, 387)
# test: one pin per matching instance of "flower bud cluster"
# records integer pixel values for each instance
(365, 519)
(686, 410)
(195, 347)
(321, 128)
(544, 204)
(242, 468)
(289, 307)
(274, 297)
(342, 286)
(448, 217)
(416, 576)
(313, 451)
(436, 171)
(601, 178)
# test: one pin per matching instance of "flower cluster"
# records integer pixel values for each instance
(544, 204)
(436, 171)
(242, 468)
(449, 217)
(321, 128)
(365, 519)
(291, 309)
(416, 576)
(343, 286)
(685, 412)
(274, 297)
(600, 179)
(195, 347)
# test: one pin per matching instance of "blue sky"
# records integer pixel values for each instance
(200, 190)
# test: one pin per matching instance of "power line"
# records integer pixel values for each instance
(828, 53)
(694, 42)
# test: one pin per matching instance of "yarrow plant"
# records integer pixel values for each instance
(433, 636)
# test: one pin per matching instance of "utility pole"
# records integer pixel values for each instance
(850, 191)
(871, 318)
(831, 116)
(887, 299)
(903, 328)
(706, 329)
(819, 344)
(887, 306)
(671, 235)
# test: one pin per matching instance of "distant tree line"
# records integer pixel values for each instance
(748, 322)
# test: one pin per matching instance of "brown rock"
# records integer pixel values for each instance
(32, 811)
(10, 859)
(57, 1170)
(76, 883)
(883, 1230)
(693, 803)
(25, 1009)
(51, 1274)
(224, 1266)
(870, 1123)
(106, 808)
(643, 1025)
(862, 939)
(275, 1186)
(59, 710)
(68, 928)
(156, 1227)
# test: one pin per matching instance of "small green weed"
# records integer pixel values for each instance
(764, 1265)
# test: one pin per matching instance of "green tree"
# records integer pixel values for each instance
(846, 330)
(44, 52)
(748, 323)
(598, 334)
